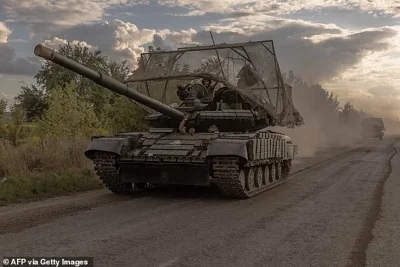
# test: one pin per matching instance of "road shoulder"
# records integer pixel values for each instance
(384, 247)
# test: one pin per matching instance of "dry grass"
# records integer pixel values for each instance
(42, 156)
(44, 168)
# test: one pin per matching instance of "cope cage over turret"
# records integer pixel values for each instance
(249, 68)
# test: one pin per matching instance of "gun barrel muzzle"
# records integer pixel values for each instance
(44, 52)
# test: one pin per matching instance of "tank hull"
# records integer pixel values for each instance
(241, 165)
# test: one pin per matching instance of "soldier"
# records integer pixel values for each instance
(209, 87)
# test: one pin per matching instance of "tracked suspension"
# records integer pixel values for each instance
(232, 178)
(106, 170)
(240, 181)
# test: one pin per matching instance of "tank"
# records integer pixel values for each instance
(210, 110)
(372, 128)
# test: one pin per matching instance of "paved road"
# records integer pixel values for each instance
(342, 212)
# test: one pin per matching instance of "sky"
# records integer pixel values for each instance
(350, 47)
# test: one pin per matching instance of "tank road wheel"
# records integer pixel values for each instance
(266, 177)
(242, 178)
(250, 179)
(236, 180)
(104, 166)
(259, 177)
(278, 171)
(272, 172)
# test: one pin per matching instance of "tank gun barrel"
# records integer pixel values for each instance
(106, 81)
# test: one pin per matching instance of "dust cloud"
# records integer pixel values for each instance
(328, 123)
(392, 127)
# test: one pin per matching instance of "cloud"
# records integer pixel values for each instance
(43, 15)
(12, 65)
(387, 91)
(235, 8)
(56, 42)
(4, 33)
(61, 13)
(318, 52)
(117, 39)
(158, 41)
(336, 50)
(9, 63)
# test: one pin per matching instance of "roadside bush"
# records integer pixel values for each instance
(44, 167)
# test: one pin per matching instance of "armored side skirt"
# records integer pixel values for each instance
(178, 174)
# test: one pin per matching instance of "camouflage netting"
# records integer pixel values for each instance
(251, 67)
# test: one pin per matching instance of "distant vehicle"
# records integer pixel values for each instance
(373, 128)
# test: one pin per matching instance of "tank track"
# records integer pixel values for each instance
(104, 166)
(243, 181)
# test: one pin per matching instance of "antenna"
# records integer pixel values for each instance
(212, 38)
(219, 60)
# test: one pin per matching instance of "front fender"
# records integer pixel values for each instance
(228, 147)
(106, 144)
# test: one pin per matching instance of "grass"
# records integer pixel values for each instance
(44, 168)
(38, 186)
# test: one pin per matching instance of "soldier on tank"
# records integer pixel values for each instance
(209, 87)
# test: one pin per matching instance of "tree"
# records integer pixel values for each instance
(125, 116)
(69, 114)
(33, 100)
(53, 78)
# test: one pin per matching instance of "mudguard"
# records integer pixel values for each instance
(106, 144)
(228, 147)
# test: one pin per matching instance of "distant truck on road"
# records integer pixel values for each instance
(372, 128)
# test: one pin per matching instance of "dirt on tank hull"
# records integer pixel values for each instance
(241, 165)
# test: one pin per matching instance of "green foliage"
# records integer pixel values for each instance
(53, 76)
(99, 106)
(39, 185)
(44, 167)
(33, 100)
(14, 131)
(69, 114)
(3, 106)
(125, 116)
(3, 132)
